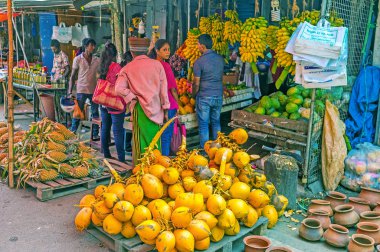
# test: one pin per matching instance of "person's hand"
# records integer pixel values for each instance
(166, 116)
(69, 95)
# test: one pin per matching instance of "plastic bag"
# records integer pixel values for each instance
(62, 33)
(178, 132)
(79, 33)
(78, 113)
(334, 149)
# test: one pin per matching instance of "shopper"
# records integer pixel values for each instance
(161, 52)
(85, 67)
(142, 83)
(208, 89)
(109, 70)
(61, 64)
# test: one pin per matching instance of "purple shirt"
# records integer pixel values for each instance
(171, 84)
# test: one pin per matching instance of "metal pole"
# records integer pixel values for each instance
(188, 15)
(10, 96)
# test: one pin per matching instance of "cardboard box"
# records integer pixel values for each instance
(231, 78)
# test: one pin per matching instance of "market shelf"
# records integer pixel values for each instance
(119, 243)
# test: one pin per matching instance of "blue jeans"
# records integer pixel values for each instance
(117, 123)
(208, 111)
(81, 98)
(166, 137)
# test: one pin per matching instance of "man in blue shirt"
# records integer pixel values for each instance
(208, 89)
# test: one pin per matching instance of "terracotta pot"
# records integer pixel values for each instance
(360, 205)
(256, 243)
(346, 216)
(322, 216)
(361, 243)
(337, 236)
(321, 205)
(370, 216)
(278, 249)
(377, 208)
(311, 229)
(372, 195)
(335, 198)
(370, 229)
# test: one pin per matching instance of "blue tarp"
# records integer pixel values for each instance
(363, 106)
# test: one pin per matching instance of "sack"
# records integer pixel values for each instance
(78, 113)
(79, 33)
(106, 95)
(62, 33)
(179, 132)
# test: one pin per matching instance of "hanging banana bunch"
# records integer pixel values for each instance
(219, 44)
(205, 25)
(271, 36)
(191, 51)
(232, 27)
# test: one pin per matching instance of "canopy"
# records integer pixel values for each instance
(4, 16)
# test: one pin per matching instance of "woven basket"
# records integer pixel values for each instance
(138, 43)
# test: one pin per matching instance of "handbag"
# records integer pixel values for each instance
(106, 95)
(62, 33)
(178, 132)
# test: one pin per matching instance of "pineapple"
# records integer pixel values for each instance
(79, 172)
(64, 131)
(65, 169)
(53, 146)
(44, 163)
(55, 137)
(3, 155)
(86, 155)
(3, 131)
(3, 124)
(46, 175)
(56, 156)
(83, 148)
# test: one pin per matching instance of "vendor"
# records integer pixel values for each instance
(208, 89)
(61, 65)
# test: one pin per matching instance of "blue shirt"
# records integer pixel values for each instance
(210, 67)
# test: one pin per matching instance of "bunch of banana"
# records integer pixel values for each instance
(253, 39)
(191, 51)
(205, 25)
(219, 44)
(232, 27)
(271, 36)
(335, 21)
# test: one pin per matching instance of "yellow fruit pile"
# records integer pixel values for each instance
(191, 51)
(232, 28)
(186, 105)
(219, 44)
(187, 202)
(205, 25)
(253, 39)
(271, 37)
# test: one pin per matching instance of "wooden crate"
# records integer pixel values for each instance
(118, 243)
(61, 187)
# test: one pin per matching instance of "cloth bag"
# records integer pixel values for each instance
(179, 132)
(106, 95)
(62, 33)
(79, 33)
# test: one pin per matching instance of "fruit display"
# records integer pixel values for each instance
(49, 151)
(186, 104)
(187, 202)
(232, 27)
(184, 86)
(219, 44)
(205, 25)
(191, 51)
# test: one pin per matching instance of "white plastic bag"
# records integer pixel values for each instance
(79, 33)
(62, 33)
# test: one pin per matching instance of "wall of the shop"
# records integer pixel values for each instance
(99, 29)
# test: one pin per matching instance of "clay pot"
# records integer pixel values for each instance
(256, 243)
(370, 229)
(278, 249)
(337, 236)
(346, 216)
(321, 205)
(335, 198)
(322, 216)
(372, 195)
(370, 216)
(360, 205)
(377, 208)
(311, 229)
(361, 243)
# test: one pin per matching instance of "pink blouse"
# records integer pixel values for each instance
(171, 84)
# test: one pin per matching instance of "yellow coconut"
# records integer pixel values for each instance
(165, 190)
(181, 217)
(123, 211)
(270, 212)
(199, 229)
(184, 240)
(219, 154)
(189, 183)
(207, 217)
(241, 159)
(140, 214)
(111, 225)
(231, 170)
(165, 242)
(144, 202)
(217, 234)
(197, 160)
(258, 180)
(152, 186)
(259, 211)
(170, 176)
(175, 190)
(83, 218)
(258, 199)
(239, 190)
(96, 221)
(160, 209)
(87, 201)
(134, 193)
(148, 229)
(226, 219)
(216, 204)
(149, 242)
(101, 210)
(244, 176)
(128, 230)
(240, 136)
(187, 173)
(110, 199)
(199, 204)
(238, 207)
(233, 230)
(99, 190)
(251, 217)
(226, 182)
(157, 170)
(185, 199)
(118, 189)
(172, 205)
(204, 187)
(203, 244)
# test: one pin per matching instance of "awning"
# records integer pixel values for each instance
(4, 16)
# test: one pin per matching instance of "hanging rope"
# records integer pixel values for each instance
(257, 8)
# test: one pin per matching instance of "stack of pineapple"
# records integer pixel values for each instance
(49, 150)
(18, 136)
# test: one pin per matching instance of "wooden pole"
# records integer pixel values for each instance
(117, 27)
(10, 95)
